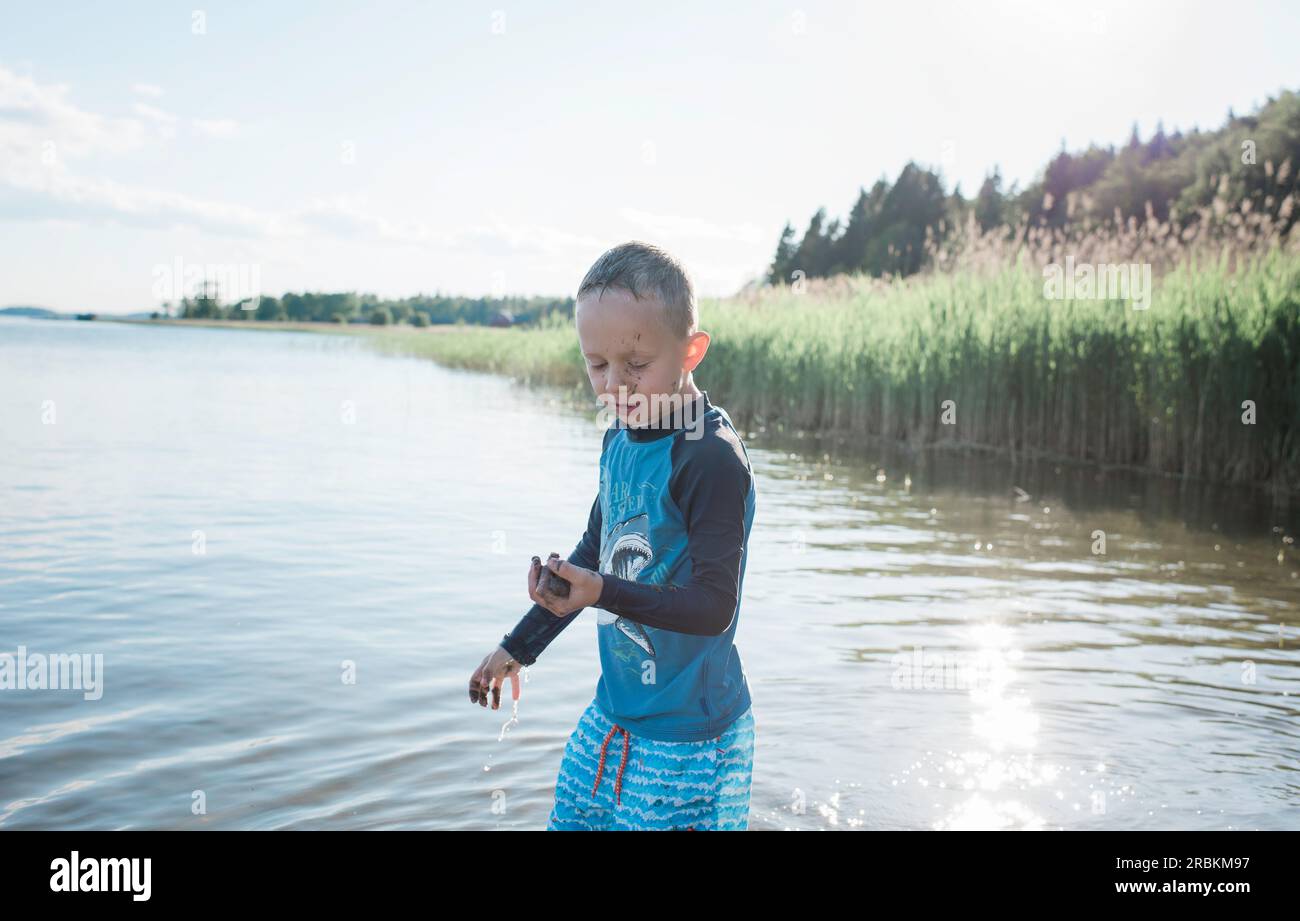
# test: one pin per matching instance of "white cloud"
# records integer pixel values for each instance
(33, 116)
(721, 279)
(57, 194)
(41, 131)
(216, 127)
(155, 114)
(342, 217)
(353, 218)
(513, 236)
(678, 227)
(147, 89)
(164, 122)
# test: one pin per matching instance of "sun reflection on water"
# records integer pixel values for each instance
(1005, 729)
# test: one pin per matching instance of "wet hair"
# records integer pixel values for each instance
(645, 270)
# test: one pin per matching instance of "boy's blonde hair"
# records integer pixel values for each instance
(646, 270)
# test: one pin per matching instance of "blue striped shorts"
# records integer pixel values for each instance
(648, 785)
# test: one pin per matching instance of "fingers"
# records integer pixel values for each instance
(484, 682)
(537, 587)
(534, 574)
(476, 680)
(538, 590)
(558, 577)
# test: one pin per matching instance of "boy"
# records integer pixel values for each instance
(663, 559)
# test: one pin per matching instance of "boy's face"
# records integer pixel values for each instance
(627, 344)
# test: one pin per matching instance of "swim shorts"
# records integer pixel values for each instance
(612, 780)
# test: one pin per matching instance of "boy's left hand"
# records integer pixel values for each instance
(584, 591)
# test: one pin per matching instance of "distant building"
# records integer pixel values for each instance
(503, 318)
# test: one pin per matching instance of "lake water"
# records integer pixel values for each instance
(243, 522)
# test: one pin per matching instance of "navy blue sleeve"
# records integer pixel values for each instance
(710, 483)
(539, 626)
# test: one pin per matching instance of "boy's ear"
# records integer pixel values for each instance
(696, 347)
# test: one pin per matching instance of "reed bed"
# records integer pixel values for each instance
(1096, 381)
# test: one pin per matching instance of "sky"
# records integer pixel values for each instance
(499, 148)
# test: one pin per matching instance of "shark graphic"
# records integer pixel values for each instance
(627, 552)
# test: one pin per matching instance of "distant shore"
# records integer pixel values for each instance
(1203, 385)
(312, 326)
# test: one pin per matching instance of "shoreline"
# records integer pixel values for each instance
(306, 326)
(833, 388)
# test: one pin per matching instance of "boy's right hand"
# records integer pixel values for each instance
(489, 675)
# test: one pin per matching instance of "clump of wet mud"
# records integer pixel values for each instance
(550, 583)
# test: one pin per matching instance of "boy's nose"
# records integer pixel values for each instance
(612, 383)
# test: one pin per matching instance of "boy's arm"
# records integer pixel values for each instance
(710, 487)
(539, 626)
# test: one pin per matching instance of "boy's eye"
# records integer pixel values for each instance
(596, 366)
(636, 367)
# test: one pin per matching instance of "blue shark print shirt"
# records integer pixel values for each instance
(669, 534)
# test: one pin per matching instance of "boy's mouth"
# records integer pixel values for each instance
(633, 411)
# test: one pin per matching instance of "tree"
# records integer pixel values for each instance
(850, 249)
(811, 254)
(783, 261)
(989, 202)
(268, 308)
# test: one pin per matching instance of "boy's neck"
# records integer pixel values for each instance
(694, 404)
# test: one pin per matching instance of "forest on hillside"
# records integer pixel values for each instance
(1184, 179)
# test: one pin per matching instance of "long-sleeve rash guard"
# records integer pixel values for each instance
(669, 533)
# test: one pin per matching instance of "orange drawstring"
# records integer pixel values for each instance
(618, 781)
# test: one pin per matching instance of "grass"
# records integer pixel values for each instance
(547, 354)
(1095, 381)
(1160, 389)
